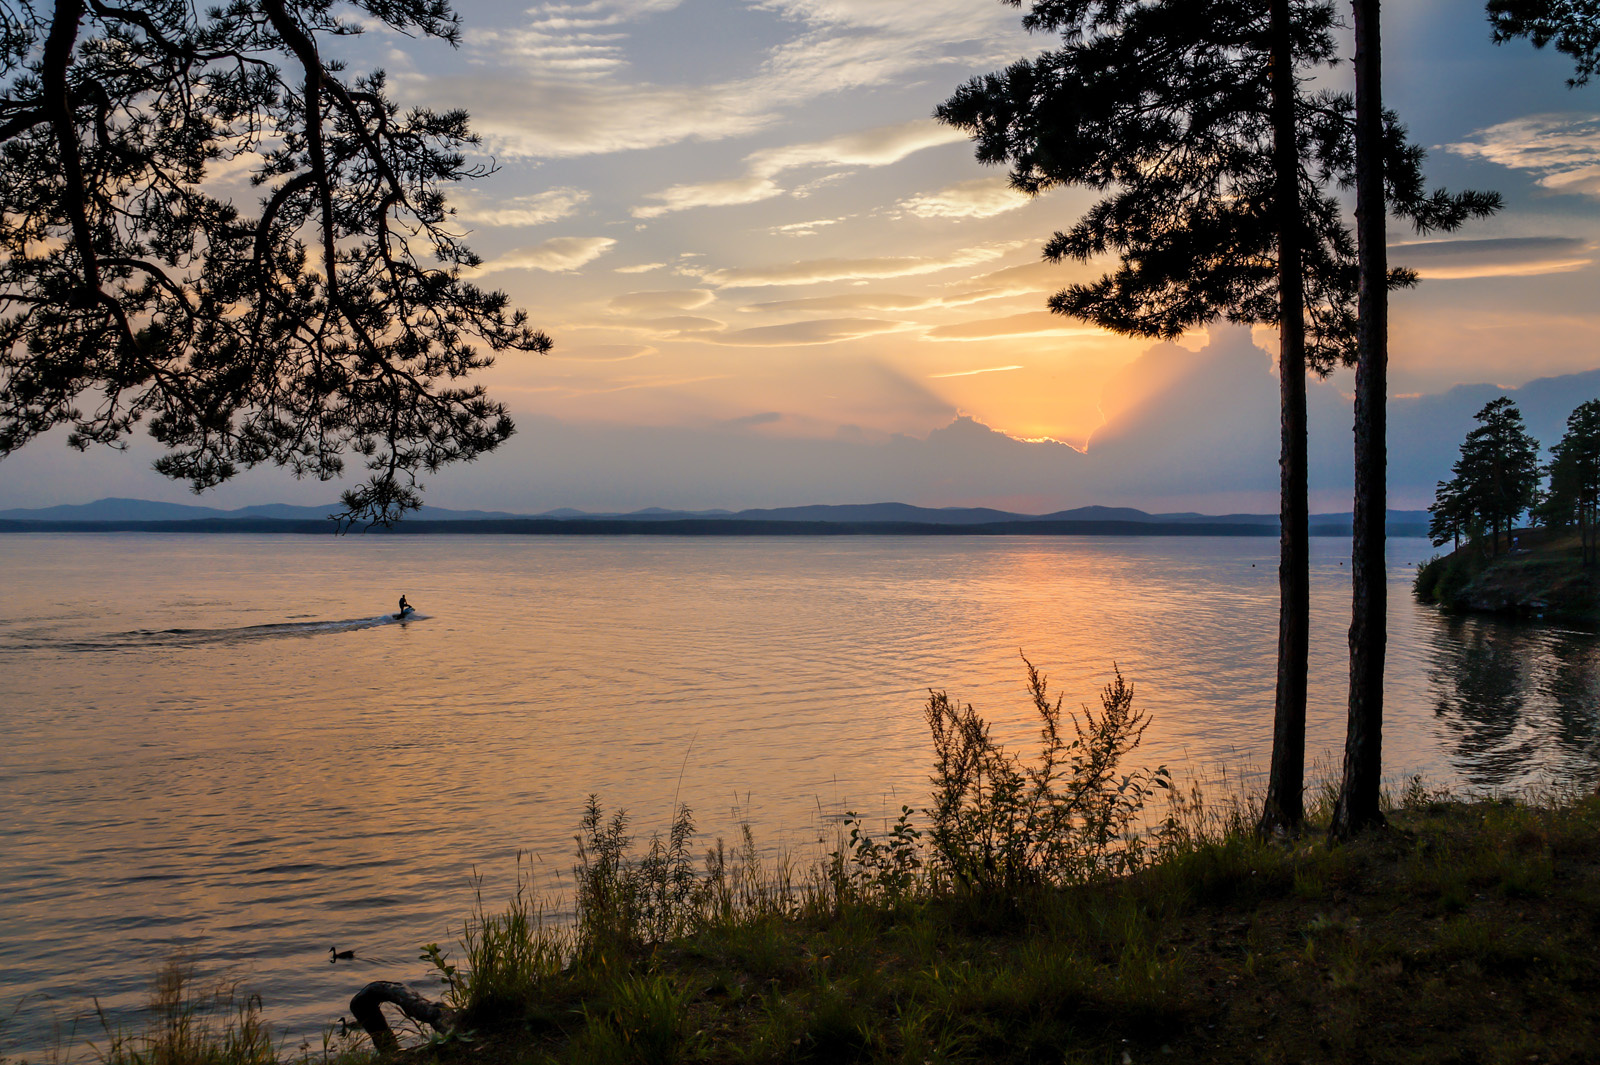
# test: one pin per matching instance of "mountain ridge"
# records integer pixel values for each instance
(119, 510)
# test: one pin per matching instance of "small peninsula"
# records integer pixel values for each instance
(1542, 575)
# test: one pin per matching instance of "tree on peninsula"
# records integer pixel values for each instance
(1574, 495)
(336, 319)
(1219, 171)
(1496, 478)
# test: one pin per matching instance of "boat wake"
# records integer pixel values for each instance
(142, 639)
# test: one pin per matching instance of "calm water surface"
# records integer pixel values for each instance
(222, 745)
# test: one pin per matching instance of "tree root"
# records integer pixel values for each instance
(365, 1008)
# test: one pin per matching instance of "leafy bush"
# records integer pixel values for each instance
(1001, 825)
(1427, 579)
(655, 898)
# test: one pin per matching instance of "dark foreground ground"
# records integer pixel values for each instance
(1465, 933)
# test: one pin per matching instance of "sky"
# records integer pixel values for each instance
(772, 278)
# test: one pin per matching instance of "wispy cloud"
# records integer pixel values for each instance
(869, 148)
(817, 271)
(979, 198)
(818, 331)
(1500, 257)
(974, 373)
(1564, 150)
(661, 302)
(551, 205)
(803, 229)
(604, 352)
(557, 255)
(866, 301)
(558, 85)
(1033, 323)
(585, 40)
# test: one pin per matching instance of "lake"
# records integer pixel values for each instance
(222, 745)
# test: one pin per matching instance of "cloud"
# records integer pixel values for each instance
(980, 198)
(733, 191)
(818, 331)
(817, 271)
(661, 302)
(1033, 323)
(871, 148)
(803, 229)
(604, 352)
(559, 86)
(682, 325)
(1500, 257)
(974, 373)
(766, 417)
(583, 40)
(1027, 279)
(557, 255)
(549, 206)
(868, 147)
(640, 268)
(1563, 149)
(847, 302)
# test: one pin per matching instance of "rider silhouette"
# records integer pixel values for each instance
(405, 607)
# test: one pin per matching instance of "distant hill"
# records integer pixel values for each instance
(124, 511)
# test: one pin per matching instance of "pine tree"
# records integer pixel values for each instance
(1573, 26)
(337, 319)
(1574, 496)
(1218, 170)
(1498, 471)
(1450, 515)
(1357, 807)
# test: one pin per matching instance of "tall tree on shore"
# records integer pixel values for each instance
(1575, 478)
(1357, 806)
(1218, 168)
(338, 319)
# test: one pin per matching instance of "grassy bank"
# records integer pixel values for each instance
(1468, 932)
(1543, 577)
(1036, 911)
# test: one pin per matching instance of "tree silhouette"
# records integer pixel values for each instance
(1573, 26)
(1219, 172)
(1357, 805)
(1450, 515)
(336, 319)
(1574, 496)
(1497, 475)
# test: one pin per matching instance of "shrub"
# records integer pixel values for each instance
(1001, 825)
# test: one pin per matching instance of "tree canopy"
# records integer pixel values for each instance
(1573, 26)
(1165, 107)
(1574, 495)
(1495, 480)
(337, 317)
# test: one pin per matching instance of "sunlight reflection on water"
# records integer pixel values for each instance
(218, 744)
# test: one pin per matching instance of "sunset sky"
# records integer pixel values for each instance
(766, 268)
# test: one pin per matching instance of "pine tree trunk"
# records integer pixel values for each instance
(1284, 807)
(1357, 805)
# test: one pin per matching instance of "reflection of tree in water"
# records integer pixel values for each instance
(1571, 685)
(1519, 700)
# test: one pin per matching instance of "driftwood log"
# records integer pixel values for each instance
(365, 1008)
